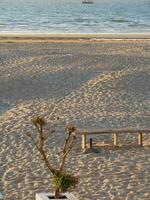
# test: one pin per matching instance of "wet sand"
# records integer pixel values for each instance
(89, 83)
(71, 37)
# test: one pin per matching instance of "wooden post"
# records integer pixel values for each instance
(91, 145)
(115, 139)
(83, 140)
(140, 139)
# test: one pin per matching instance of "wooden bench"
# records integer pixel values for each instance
(114, 131)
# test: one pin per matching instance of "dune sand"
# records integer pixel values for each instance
(88, 83)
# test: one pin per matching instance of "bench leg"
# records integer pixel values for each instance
(140, 139)
(91, 143)
(115, 139)
(84, 141)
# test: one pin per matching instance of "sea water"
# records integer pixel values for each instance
(71, 16)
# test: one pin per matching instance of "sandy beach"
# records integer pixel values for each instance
(104, 83)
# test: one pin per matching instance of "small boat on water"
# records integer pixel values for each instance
(87, 2)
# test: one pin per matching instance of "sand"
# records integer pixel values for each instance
(71, 37)
(89, 83)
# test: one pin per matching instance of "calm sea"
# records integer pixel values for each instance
(71, 16)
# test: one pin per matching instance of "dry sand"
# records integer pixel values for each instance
(102, 84)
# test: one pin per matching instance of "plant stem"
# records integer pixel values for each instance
(57, 193)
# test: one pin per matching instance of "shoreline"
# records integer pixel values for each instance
(40, 37)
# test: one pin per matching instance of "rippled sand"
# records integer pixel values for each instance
(100, 84)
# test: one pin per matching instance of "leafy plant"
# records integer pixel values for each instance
(62, 181)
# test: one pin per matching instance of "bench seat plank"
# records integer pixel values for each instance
(112, 130)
